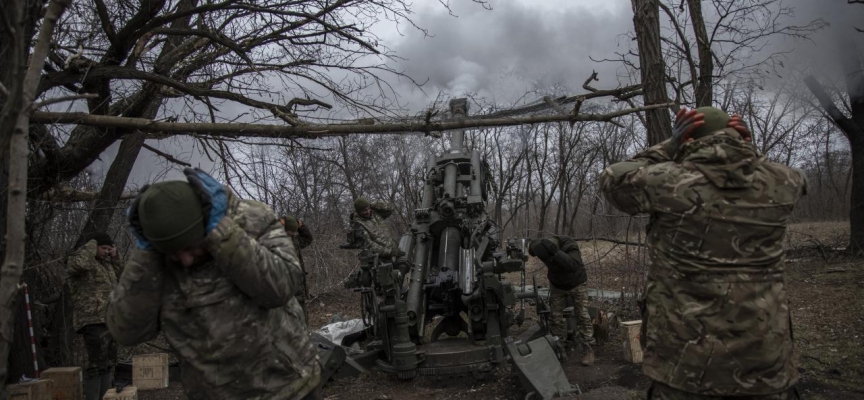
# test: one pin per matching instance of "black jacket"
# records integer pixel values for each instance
(566, 269)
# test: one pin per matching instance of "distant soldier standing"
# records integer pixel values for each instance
(717, 324)
(216, 274)
(568, 280)
(302, 238)
(92, 273)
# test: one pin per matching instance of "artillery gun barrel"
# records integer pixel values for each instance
(448, 248)
(422, 247)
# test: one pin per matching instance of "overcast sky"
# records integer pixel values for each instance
(501, 53)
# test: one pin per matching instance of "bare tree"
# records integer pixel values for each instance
(730, 39)
(646, 21)
(14, 121)
(852, 127)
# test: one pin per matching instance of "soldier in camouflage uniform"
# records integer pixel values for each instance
(369, 218)
(717, 322)
(92, 274)
(568, 281)
(217, 275)
(301, 236)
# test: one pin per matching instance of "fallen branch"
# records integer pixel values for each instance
(67, 195)
(163, 129)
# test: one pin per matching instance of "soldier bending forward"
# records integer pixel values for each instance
(217, 275)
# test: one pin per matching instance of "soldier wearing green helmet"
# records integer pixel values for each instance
(217, 275)
(716, 321)
(370, 218)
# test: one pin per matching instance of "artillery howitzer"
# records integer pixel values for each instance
(454, 268)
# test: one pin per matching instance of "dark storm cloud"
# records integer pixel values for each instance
(821, 54)
(501, 52)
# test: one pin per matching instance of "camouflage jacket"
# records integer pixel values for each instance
(233, 320)
(566, 269)
(91, 281)
(718, 319)
(376, 233)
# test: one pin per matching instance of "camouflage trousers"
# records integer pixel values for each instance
(101, 350)
(659, 391)
(558, 301)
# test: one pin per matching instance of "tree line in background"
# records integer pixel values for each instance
(190, 60)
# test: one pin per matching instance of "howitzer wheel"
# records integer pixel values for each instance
(407, 375)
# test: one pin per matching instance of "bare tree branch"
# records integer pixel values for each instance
(312, 130)
(65, 99)
(166, 155)
(69, 195)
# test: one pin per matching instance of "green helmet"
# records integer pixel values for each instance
(361, 204)
(715, 120)
(290, 223)
(171, 216)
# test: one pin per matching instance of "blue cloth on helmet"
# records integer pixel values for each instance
(218, 199)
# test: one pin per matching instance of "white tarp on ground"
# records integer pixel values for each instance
(336, 331)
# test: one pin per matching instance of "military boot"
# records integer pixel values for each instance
(92, 388)
(588, 358)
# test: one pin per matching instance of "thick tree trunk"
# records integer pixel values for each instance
(112, 188)
(17, 109)
(10, 71)
(704, 82)
(853, 128)
(856, 204)
(646, 21)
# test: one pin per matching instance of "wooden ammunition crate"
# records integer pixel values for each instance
(39, 389)
(631, 332)
(150, 371)
(128, 393)
(66, 383)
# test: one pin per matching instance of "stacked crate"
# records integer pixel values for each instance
(39, 389)
(631, 333)
(66, 383)
(150, 371)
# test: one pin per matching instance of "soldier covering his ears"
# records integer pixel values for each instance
(93, 270)
(217, 274)
(716, 323)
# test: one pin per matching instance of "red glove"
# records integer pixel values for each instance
(735, 122)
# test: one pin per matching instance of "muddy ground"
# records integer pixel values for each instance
(826, 292)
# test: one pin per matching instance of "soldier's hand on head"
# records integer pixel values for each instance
(214, 199)
(135, 223)
(686, 121)
(735, 122)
